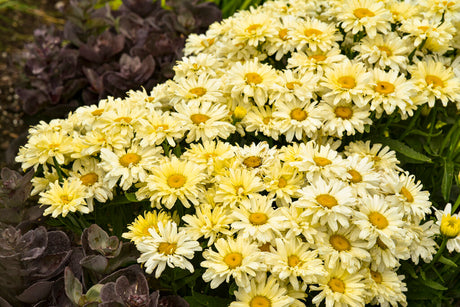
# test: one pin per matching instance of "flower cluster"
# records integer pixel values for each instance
(317, 216)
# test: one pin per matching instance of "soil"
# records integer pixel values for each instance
(17, 24)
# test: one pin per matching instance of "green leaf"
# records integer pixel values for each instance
(73, 287)
(447, 178)
(403, 149)
(434, 285)
(447, 261)
(131, 197)
(93, 294)
(200, 300)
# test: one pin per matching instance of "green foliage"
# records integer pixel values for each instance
(229, 7)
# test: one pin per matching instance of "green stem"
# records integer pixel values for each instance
(58, 170)
(455, 207)
(440, 251)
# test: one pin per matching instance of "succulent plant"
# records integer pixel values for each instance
(103, 52)
(14, 192)
(30, 263)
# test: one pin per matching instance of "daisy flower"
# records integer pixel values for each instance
(129, 165)
(61, 199)
(422, 244)
(315, 35)
(382, 51)
(258, 157)
(281, 43)
(236, 185)
(173, 179)
(235, 258)
(253, 30)
(262, 292)
(92, 177)
(297, 118)
(198, 44)
(139, 229)
(255, 219)
(384, 159)
(202, 64)
(251, 80)
(435, 35)
(377, 220)
(343, 248)
(157, 128)
(449, 226)
(315, 62)
(44, 148)
(404, 10)
(298, 224)
(344, 117)
(386, 288)
(436, 82)
(293, 85)
(201, 88)
(261, 120)
(340, 288)
(361, 176)
(204, 120)
(282, 183)
(40, 184)
(208, 222)
(320, 161)
(364, 15)
(167, 247)
(346, 81)
(390, 90)
(327, 203)
(404, 192)
(292, 259)
(384, 257)
(439, 9)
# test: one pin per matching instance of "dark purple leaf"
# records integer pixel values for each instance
(36, 292)
(96, 263)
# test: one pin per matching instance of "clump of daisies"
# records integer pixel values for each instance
(296, 211)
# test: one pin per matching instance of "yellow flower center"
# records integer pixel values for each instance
(129, 159)
(378, 220)
(376, 276)
(340, 243)
(161, 127)
(258, 218)
(318, 57)
(260, 301)
(320, 161)
(336, 285)
(209, 155)
(252, 161)
(311, 31)
(149, 99)
(233, 260)
(326, 200)
(407, 195)
(207, 42)
(89, 179)
(176, 180)
(97, 112)
(167, 248)
(253, 27)
(282, 182)
(424, 28)
(363, 12)
(292, 85)
(298, 114)
(293, 260)
(199, 118)
(347, 82)
(448, 3)
(355, 176)
(343, 112)
(253, 78)
(283, 34)
(125, 119)
(53, 146)
(450, 226)
(267, 120)
(435, 81)
(198, 91)
(65, 199)
(384, 87)
(386, 50)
